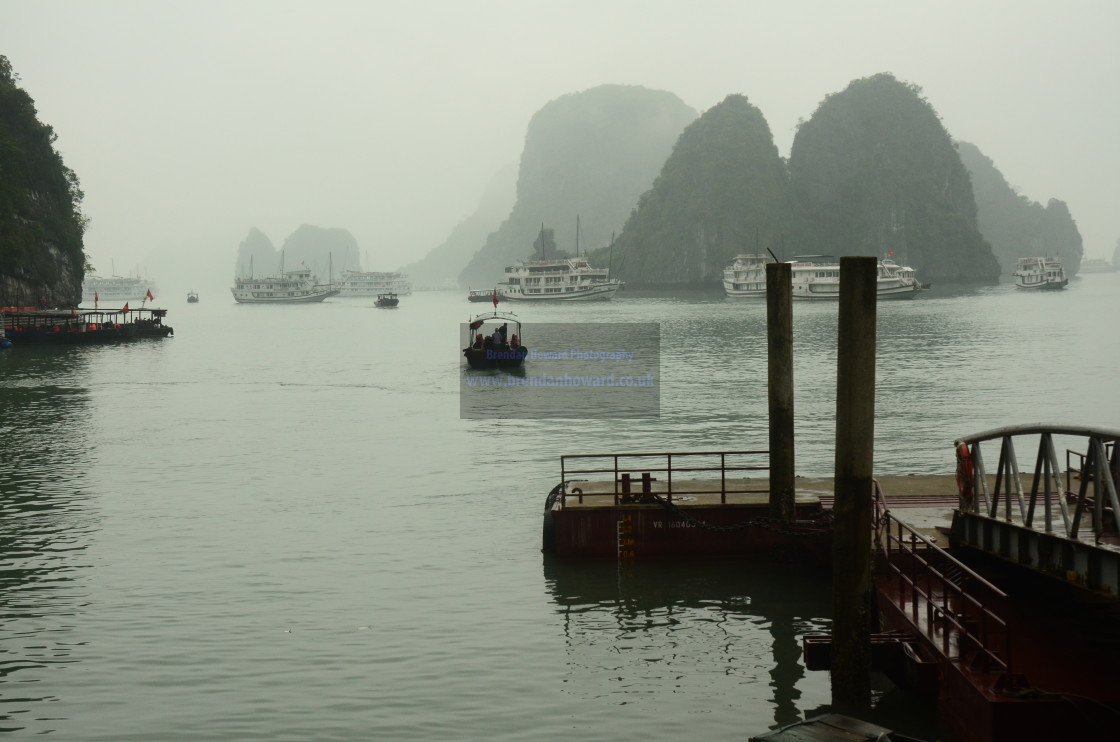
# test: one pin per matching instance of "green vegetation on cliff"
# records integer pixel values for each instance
(588, 156)
(722, 191)
(874, 171)
(1015, 226)
(41, 224)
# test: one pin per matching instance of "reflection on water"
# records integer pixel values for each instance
(701, 628)
(44, 520)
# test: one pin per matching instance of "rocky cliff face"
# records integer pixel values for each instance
(1015, 226)
(723, 191)
(41, 225)
(875, 171)
(588, 157)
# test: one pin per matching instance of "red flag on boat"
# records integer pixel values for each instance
(495, 298)
(125, 310)
(150, 297)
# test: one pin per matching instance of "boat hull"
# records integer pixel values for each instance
(602, 292)
(653, 531)
(1050, 286)
(496, 358)
(247, 297)
(804, 293)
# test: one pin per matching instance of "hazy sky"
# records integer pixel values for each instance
(191, 121)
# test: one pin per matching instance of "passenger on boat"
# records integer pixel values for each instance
(496, 339)
(478, 342)
(503, 330)
(516, 342)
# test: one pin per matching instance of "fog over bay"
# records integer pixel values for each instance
(191, 121)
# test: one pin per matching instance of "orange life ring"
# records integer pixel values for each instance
(966, 474)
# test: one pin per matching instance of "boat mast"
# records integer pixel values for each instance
(577, 235)
(610, 258)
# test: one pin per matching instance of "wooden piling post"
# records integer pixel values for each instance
(779, 336)
(855, 433)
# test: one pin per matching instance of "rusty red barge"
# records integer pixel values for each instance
(708, 503)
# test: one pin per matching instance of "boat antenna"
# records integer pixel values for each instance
(610, 257)
(577, 235)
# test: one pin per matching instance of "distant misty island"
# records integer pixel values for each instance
(872, 172)
(636, 179)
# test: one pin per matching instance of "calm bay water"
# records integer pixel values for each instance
(275, 525)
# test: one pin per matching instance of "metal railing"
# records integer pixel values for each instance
(960, 608)
(698, 465)
(1097, 473)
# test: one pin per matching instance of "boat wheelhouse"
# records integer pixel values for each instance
(1044, 274)
(492, 343)
(292, 287)
(566, 279)
(745, 276)
(373, 283)
(817, 277)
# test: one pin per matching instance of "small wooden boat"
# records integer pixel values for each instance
(192, 297)
(495, 346)
(386, 301)
(77, 326)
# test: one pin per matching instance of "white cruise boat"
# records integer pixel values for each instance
(817, 277)
(746, 276)
(1042, 274)
(291, 287)
(373, 283)
(115, 289)
(567, 279)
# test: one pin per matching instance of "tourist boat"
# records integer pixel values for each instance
(481, 294)
(387, 301)
(114, 289)
(291, 287)
(192, 297)
(1044, 274)
(817, 277)
(566, 279)
(745, 276)
(482, 351)
(25, 326)
(373, 283)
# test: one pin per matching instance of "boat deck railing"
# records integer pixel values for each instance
(1089, 487)
(681, 473)
(949, 602)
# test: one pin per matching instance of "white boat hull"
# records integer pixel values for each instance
(598, 292)
(744, 293)
(248, 297)
(806, 293)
